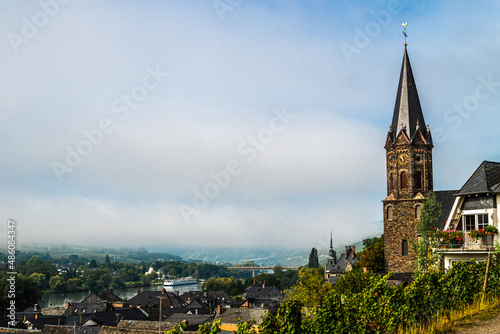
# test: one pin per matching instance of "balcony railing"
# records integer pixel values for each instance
(469, 244)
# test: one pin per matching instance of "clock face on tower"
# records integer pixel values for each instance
(403, 159)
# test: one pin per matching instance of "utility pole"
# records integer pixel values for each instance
(160, 315)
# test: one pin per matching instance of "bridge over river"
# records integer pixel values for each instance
(254, 269)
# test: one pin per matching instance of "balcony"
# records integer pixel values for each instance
(466, 243)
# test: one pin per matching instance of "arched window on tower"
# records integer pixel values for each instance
(418, 211)
(389, 212)
(403, 180)
(391, 183)
(418, 180)
(404, 248)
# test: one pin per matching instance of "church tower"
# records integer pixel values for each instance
(409, 174)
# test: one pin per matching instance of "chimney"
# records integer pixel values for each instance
(346, 247)
(189, 300)
(35, 307)
(254, 281)
(67, 304)
(353, 249)
(264, 285)
(219, 309)
(163, 291)
(138, 291)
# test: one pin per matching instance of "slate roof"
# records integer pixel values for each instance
(47, 320)
(176, 301)
(193, 320)
(101, 296)
(348, 257)
(197, 303)
(261, 291)
(407, 110)
(272, 305)
(110, 318)
(230, 316)
(71, 329)
(446, 198)
(486, 179)
(146, 299)
(84, 308)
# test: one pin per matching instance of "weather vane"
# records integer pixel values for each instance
(404, 31)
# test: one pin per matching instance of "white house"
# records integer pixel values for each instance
(476, 206)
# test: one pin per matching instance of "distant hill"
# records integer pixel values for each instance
(263, 257)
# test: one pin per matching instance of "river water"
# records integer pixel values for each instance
(58, 300)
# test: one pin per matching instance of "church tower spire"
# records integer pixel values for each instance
(332, 253)
(408, 114)
(409, 173)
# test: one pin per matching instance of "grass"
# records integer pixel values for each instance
(469, 316)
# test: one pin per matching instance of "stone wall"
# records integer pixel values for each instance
(403, 226)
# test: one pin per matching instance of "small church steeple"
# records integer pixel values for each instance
(332, 253)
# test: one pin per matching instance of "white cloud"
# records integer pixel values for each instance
(226, 80)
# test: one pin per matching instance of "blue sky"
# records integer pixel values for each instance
(172, 124)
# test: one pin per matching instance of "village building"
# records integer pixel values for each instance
(333, 267)
(475, 208)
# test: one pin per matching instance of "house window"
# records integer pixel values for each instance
(392, 183)
(475, 221)
(418, 211)
(418, 180)
(482, 221)
(403, 180)
(389, 213)
(404, 248)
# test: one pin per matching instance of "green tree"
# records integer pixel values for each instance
(58, 284)
(26, 293)
(107, 262)
(371, 241)
(312, 287)
(93, 264)
(230, 285)
(372, 257)
(73, 258)
(425, 246)
(353, 281)
(34, 262)
(39, 280)
(74, 284)
(313, 259)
